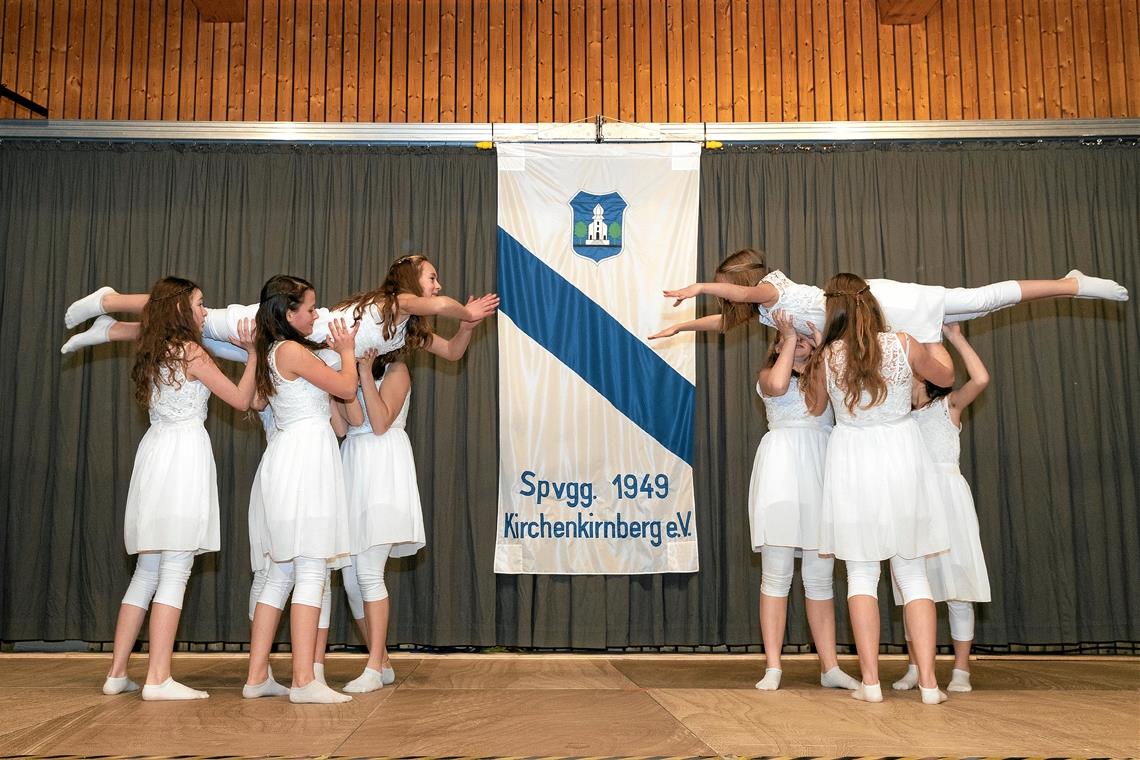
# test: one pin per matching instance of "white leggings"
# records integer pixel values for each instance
(816, 573)
(305, 576)
(351, 591)
(909, 575)
(961, 620)
(159, 576)
(370, 572)
(970, 303)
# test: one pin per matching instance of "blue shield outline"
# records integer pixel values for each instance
(596, 228)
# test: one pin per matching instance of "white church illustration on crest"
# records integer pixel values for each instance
(597, 233)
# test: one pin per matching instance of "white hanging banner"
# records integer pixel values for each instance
(596, 424)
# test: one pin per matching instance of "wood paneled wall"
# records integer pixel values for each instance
(564, 60)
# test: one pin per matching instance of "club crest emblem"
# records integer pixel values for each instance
(597, 227)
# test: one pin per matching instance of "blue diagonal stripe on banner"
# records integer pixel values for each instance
(580, 334)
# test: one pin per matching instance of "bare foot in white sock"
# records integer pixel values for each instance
(868, 692)
(92, 336)
(959, 681)
(1098, 287)
(837, 679)
(909, 681)
(316, 693)
(119, 685)
(170, 690)
(267, 688)
(932, 696)
(88, 307)
(771, 680)
(369, 680)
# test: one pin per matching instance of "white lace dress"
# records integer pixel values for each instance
(907, 306)
(880, 496)
(960, 573)
(786, 490)
(172, 503)
(380, 482)
(297, 505)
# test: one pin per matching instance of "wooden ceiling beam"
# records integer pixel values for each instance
(904, 11)
(220, 11)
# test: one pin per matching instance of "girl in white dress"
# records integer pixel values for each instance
(745, 285)
(298, 516)
(409, 294)
(172, 504)
(880, 500)
(957, 577)
(383, 498)
(784, 506)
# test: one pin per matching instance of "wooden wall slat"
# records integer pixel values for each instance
(1003, 107)
(936, 64)
(626, 49)
(544, 41)
(564, 60)
(837, 44)
(414, 20)
(1049, 59)
(335, 67)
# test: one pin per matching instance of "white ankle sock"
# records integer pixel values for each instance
(868, 692)
(933, 696)
(959, 681)
(771, 680)
(91, 305)
(837, 679)
(909, 681)
(119, 685)
(1098, 287)
(92, 336)
(267, 688)
(170, 690)
(369, 680)
(319, 672)
(388, 674)
(316, 693)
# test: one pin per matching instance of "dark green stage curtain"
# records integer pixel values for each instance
(1049, 449)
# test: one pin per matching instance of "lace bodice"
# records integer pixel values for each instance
(895, 368)
(803, 303)
(371, 333)
(366, 426)
(791, 407)
(938, 432)
(295, 400)
(177, 399)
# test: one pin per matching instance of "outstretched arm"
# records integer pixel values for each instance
(979, 376)
(454, 347)
(762, 293)
(711, 323)
(442, 306)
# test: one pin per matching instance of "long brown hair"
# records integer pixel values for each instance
(167, 327)
(745, 267)
(403, 277)
(853, 316)
(280, 294)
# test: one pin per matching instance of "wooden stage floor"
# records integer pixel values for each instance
(576, 705)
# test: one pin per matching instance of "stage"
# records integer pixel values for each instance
(576, 705)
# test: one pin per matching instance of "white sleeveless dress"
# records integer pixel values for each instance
(880, 496)
(960, 573)
(908, 307)
(297, 506)
(786, 490)
(380, 482)
(172, 503)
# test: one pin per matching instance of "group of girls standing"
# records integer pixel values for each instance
(313, 507)
(860, 461)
